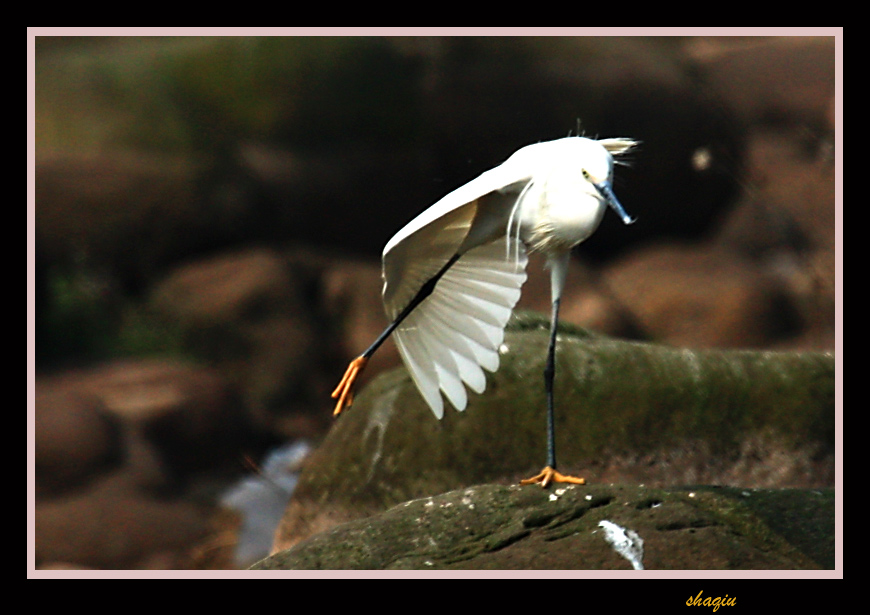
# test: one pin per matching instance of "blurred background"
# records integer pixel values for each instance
(210, 213)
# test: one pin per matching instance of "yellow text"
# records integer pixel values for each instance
(715, 603)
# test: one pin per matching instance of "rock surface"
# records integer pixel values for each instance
(496, 527)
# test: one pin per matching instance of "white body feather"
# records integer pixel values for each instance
(546, 197)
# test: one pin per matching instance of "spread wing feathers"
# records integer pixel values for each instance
(458, 329)
(473, 214)
(411, 262)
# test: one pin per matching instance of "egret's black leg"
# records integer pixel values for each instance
(344, 391)
(549, 377)
(549, 473)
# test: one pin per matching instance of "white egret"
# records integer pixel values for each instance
(453, 275)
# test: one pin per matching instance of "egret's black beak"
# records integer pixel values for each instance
(607, 193)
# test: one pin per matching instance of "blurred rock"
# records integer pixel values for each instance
(779, 79)
(76, 438)
(120, 449)
(224, 288)
(188, 414)
(784, 228)
(254, 316)
(701, 297)
(133, 212)
(113, 524)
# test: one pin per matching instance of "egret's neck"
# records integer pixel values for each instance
(558, 265)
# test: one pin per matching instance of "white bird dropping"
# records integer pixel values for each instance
(625, 542)
(453, 275)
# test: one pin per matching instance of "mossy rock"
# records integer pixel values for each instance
(497, 527)
(627, 412)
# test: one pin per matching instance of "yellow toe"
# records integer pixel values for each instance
(550, 475)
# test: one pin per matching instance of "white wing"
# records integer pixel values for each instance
(457, 330)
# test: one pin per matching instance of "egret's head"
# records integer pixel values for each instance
(597, 164)
(598, 170)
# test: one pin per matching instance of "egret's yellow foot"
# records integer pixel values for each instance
(344, 390)
(549, 475)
